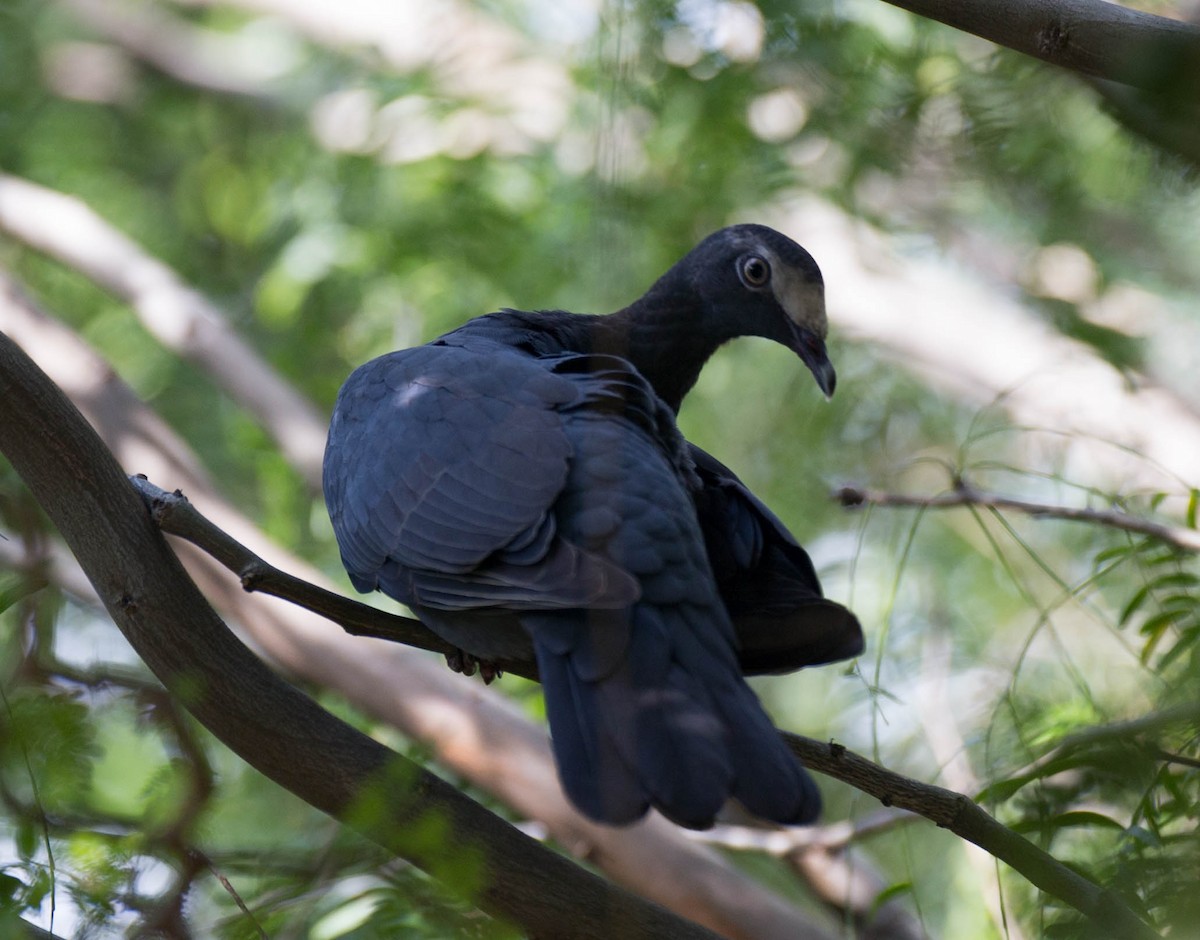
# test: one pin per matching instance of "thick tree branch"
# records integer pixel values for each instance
(1186, 540)
(189, 54)
(1093, 37)
(947, 809)
(1128, 431)
(474, 732)
(183, 320)
(275, 728)
(1145, 67)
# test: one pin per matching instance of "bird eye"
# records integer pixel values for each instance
(754, 271)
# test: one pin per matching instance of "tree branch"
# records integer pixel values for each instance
(1127, 430)
(174, 514)
(198, 57)
(1093, 37)
(271, 725)
(179, 317)
(474, 732)
(966, 819)
(946, 808)
(1185, 540)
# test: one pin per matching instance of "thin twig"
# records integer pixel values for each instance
(208, 863)
(174, 514)
(966, 819)
(836, 836)
(1186, 540)
(1067, 753)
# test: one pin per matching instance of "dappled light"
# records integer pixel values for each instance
(212, 211)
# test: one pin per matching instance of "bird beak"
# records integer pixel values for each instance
(811, 349)
(803, 302)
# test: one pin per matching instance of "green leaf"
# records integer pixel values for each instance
(1069, 820)
(1001, 790)
(1185, 643)
(1115, 551)
(14, 588)
(10, 886)
(28, 838)
(1185, 602)
(891, 891)
(1193, 503)
(1155, 624)
(1176, 578)
(1133, 604)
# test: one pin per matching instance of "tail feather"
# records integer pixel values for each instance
(771, 783)
(672, 726)
(591, 768)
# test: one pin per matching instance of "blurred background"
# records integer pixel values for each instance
(226, 206)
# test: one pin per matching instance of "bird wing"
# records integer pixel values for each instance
(766, 579)
(646, 704)
(468, 478)
(441, 472)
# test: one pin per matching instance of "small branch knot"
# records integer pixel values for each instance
(1053, 38)
(849, 496)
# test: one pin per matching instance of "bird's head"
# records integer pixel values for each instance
(753, 281)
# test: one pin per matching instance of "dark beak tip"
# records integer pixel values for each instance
(826, 377)
(811, 349)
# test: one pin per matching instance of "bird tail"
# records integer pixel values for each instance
(644, 713)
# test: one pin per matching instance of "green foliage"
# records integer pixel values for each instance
(323, 256)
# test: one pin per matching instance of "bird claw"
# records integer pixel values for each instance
(464, 662)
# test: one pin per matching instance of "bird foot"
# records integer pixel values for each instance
(464, 662)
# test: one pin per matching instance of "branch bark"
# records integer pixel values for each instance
(965, 818)
(947, 809)
(1093, 37)
(1185, 540)
(963, 338)
(476, 733)
(270, 724)
(189, 54)
(182, 319)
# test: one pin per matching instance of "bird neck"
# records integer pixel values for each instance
(665, 339)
